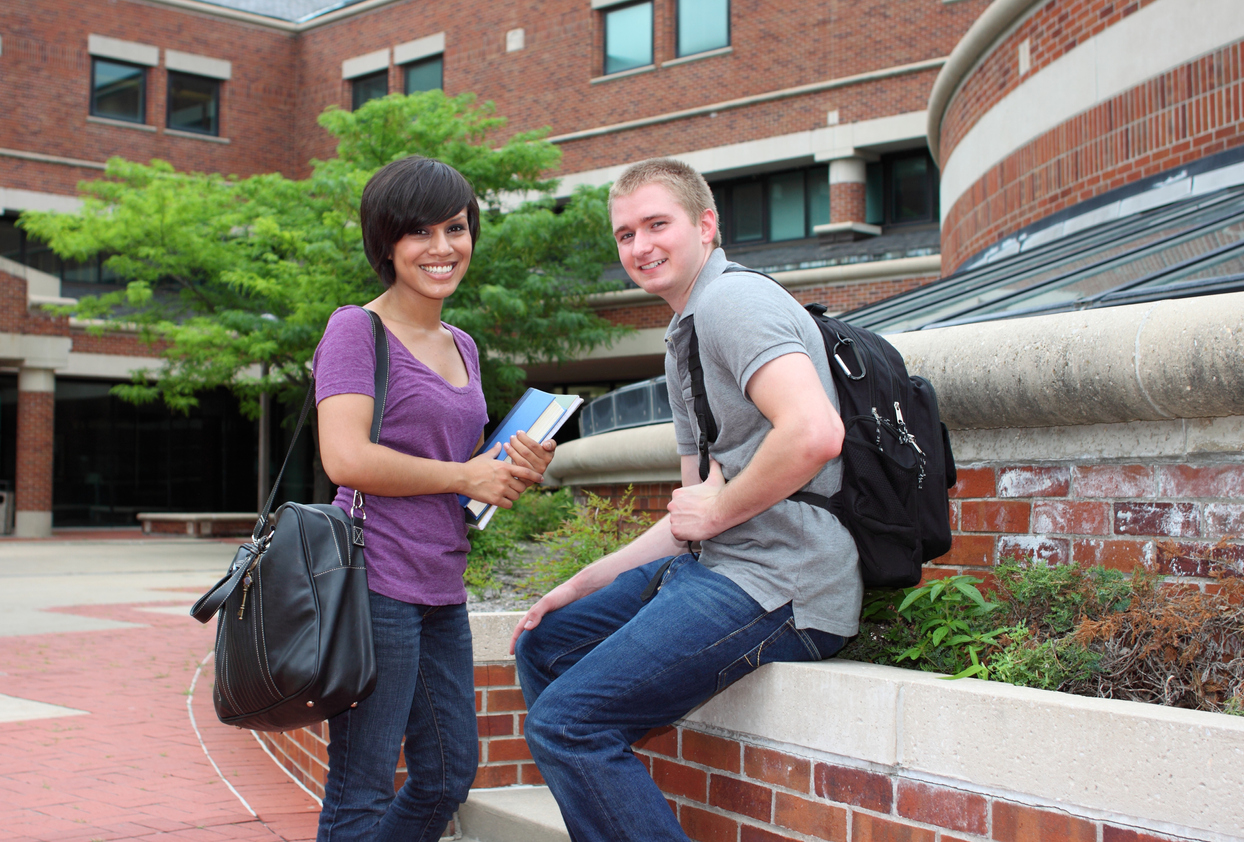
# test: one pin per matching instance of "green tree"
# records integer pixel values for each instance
(233, 279)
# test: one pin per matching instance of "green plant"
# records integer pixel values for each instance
(537, 511)
(943, 626)
(595, 528)
(1047, 664)
(948, 614)
(491, 549)
(1051, 600)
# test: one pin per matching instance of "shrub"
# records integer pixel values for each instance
(492, 549)
(594, 528)
(1172, 645)
(1090, 631)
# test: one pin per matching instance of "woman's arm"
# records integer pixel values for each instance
(351, 459)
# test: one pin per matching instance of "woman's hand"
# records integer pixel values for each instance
(494, 481)
(524, 451)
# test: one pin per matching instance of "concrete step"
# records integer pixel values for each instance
(512, 814)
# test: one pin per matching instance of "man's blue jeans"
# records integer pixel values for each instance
(425, 691)
(603, 671)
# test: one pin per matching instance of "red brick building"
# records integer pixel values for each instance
(808, 119)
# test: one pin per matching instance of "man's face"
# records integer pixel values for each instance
(660, 246)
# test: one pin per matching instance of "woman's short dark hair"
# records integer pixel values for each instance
(406, 195)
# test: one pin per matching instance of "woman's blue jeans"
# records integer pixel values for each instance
(603, 671)
(425, 691)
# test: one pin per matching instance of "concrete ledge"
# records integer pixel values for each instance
(490, 634)
(1180, 770)
(638, 454)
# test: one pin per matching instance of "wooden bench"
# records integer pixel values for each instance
(198, 524)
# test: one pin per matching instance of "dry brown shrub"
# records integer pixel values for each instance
(1173, 645)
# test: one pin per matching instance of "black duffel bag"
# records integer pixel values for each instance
(293, 634)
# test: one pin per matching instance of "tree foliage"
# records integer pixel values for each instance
(232, 276)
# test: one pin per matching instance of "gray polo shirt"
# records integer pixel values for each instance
(792, 552)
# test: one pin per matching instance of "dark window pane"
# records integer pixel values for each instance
(818, 197)
(371, 87)
(874, 194)
(628, 38)
(909, 181)
(425, 75)
(193, 103)
(10, 239)
(631, 407)
(786, 207)
(118, 91)
(703, 25)
(747, 209)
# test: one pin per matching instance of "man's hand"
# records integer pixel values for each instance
(693, 509)
(559, 597)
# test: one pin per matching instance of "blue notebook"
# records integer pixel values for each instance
(538, 414)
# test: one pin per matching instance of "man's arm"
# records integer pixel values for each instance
(656, 542)
(806, 434)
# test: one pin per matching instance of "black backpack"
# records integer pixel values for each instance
(896, 459)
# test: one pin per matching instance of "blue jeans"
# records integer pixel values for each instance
(603, 671)
(425, 691)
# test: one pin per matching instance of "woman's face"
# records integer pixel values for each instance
(432, 260)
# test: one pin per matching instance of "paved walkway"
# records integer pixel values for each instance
(106, 723)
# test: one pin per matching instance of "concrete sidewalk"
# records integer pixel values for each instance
(106, 722)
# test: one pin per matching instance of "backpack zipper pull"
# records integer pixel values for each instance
(877, 418)
(908, 438)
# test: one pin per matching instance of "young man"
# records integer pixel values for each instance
(775, 580)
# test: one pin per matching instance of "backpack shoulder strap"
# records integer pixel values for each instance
(703, 412)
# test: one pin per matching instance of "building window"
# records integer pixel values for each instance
(372, 86)
(703, 25)
(18, 247)
(628, 37)
(773, 207)
(118, 91)
(902, 190)
(424, 75)
(193, 103)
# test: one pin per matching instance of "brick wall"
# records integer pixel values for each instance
(776, 45)
(1180, 520)
(45, 50)
(1182, 116)
(730, 790)
(1053, 30)
(15, 317)
(121, 344)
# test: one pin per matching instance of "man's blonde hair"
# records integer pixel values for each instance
(687, 186)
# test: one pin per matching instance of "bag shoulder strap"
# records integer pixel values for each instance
(381, 340)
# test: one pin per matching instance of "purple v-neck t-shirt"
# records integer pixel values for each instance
(416, 546)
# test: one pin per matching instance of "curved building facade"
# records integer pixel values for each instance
(1045, 104)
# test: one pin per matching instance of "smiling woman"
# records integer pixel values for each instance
(419, 219)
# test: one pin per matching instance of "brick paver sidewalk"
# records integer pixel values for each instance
(132, 767)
